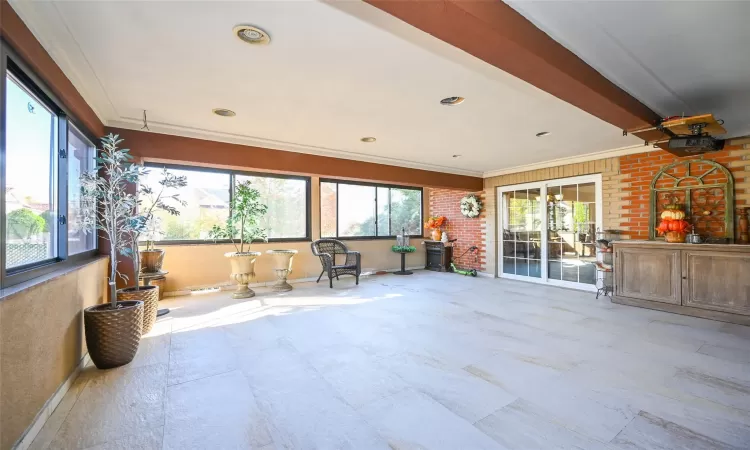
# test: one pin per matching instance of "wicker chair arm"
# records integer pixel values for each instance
(353, 258)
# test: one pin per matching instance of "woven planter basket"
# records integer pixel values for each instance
(149, 295)
(113, 335)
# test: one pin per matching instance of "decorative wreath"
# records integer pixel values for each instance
(470, 206)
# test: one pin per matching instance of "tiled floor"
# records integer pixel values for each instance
(436, 361)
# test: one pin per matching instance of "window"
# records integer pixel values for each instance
(356, 210)
(286, 199)
(31, 177)
(81, 155)
(207, 198)
(43, 155)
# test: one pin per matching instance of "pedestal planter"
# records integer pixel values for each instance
(243, 271)
(113, 335)
(152, 260)
(283, 267)
(149, 295)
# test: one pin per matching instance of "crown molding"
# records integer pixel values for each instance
(130, 123)
(622, 151)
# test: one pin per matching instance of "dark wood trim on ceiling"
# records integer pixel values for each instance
(495, 33)
(183, 150)
(20, 38)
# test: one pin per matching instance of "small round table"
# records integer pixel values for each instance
(403, 270)
(147, 277)
(283, 267)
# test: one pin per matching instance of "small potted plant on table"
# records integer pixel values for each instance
(113, 330)
(242, 225)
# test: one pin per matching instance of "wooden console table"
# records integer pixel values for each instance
(704, 280)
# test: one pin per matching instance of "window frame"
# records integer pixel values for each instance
(12, 64)
(232, 174)
(376, 186)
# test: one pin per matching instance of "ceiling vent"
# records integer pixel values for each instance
(251, 35)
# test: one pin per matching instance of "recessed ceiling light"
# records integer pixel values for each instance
(224, 112)
(251, 35)
(456, 156)
(368, 139)
(543, 133)
(451, 101)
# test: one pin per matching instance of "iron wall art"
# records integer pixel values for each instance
(707, 190)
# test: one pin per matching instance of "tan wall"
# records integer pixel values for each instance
(204, 265)
(192, 266)
(612, 195)
(42, 343)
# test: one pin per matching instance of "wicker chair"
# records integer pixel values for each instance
(326, 250)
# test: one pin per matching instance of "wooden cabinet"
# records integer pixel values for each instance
(649, 274)
(704, 280)
(717, 280)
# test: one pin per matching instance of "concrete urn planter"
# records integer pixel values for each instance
(243, 271)
(283, 267)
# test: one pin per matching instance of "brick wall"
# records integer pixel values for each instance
(625, 185)
(639, 170)
(445, 202)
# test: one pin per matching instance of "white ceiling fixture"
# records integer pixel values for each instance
(251, 35)
(656, 53)
(451, 101)
(224, 112)
(311, 90)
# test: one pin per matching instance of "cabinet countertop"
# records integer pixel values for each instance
(685, 246)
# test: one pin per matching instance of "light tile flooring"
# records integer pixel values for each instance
(431, 361)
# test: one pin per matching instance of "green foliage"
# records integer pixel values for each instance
(404, 248)
(243, 223)
(157, 200)
(24, 224)
(107, 205)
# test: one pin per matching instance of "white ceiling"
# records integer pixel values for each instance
(332, 74)
(688, 57)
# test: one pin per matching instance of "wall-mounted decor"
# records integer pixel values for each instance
(705, 188)
(471, 206)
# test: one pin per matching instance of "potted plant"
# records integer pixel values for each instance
(242, 225)
(150, 259)
(113, 330)
(136, 227)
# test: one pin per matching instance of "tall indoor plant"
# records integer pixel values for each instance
(152, 200)
(155, 200)
(113, 330)
(243, 226)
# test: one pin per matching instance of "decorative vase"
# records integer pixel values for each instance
(243, 272)
(113, 335)
(152, 260)
(744, 236)
(436, 234)
(444, 238)
(149, 295)
(675, 236)
(282, 267)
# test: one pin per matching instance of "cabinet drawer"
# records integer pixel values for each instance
(718, 281)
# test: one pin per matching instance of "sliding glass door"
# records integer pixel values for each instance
(547, 231)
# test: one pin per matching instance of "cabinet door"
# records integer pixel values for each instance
(717, 280)
(648, 274)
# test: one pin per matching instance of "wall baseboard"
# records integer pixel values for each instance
(486, 275)
(24, 442)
